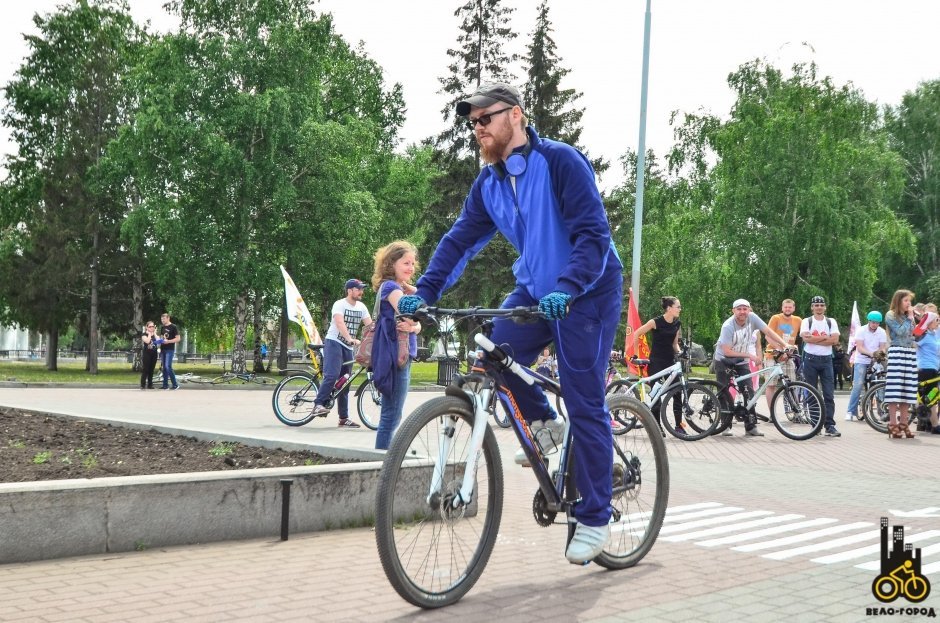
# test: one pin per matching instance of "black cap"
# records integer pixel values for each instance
(818, 300)
(488, 94)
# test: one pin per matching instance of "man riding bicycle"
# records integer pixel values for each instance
(732, 354)
(541, 195)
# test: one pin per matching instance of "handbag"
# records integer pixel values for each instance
(364, 351)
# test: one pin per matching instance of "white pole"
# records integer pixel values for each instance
(641, 164)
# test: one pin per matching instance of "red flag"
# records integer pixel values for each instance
(633, 324)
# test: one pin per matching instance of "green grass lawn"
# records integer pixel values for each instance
(71, 371)
(121, 374)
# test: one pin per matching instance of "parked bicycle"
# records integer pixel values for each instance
(796, 407)
(875, 409)
(440, 492)
(229, 376)
(875, 373)
(294, 395)
(692, 402)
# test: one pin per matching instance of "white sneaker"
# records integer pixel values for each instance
(587, 543)
(849, 417)
(549, 434)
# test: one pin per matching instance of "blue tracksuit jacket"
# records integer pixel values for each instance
(555, 219)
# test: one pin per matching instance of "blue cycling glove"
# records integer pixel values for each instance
(409, 304)
(555, 305)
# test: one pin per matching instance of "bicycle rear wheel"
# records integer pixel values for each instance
(432, 552)
(369, 404)
(263, 380)
(641, 486)
(698, 408)
(875, 408)
(797, 410)
(293, 400)
(621, 387)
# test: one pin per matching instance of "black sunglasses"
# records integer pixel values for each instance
(484, 120)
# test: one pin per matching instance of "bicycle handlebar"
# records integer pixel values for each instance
(519, 314)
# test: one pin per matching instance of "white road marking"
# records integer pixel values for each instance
(800, 538)
(691, 536)
(756, 534)
(712, 521)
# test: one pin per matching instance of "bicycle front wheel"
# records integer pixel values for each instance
(293, 400)
(697, 407)
(641, 485)
(263, 380)
(369, 405)
(434, 547)
(875, 408)
(797, 410)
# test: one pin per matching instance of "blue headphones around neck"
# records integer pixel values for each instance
(515, 164)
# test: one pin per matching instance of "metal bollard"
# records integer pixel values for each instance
(285, 506)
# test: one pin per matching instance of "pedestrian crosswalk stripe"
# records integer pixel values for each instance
(691, 536)
(800, 538)
(818, 547)
(931, 568)
(756, 534)
(875, 565)
(712, 524)
(711, 521)
(711, 512)
(672, 510)
(872, 549)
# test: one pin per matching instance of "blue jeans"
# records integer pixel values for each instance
(392, 407)
(817, 370)
(166, 361)
(858, 382)
(335, 358)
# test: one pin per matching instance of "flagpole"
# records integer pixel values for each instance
(641, 161)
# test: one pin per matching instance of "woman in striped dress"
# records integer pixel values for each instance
(901, 380)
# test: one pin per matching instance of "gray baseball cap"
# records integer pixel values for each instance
(488, 94)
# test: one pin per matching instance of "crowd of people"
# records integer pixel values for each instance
(541, 194)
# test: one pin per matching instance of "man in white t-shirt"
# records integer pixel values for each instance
(347, 315)
(869, 340)
(819, 334)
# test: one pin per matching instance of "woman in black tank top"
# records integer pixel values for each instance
(664, 345)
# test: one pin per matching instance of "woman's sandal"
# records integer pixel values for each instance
(906, 430)
(894, 431)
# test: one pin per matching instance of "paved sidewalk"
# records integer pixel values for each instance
(708, 565)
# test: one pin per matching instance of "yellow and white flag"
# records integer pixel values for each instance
(297, 310)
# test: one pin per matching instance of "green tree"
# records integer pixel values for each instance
(915, 134)
(480, 55)
(61, 219)
(802, 192)
(264, 139)
(676, 239)
(550, 108)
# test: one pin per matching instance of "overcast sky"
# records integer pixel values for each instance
(883, 48)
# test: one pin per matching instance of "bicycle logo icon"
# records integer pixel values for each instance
(900, 569)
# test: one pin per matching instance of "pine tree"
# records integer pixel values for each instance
(479, 56)
(551, 109)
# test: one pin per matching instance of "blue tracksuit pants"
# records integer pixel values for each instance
(582, 343)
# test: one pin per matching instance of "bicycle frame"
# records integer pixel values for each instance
(775, 370)
(481, 399)
(650, 398)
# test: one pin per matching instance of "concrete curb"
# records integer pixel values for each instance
(56, 519)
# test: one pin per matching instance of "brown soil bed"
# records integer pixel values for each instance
(45, 447)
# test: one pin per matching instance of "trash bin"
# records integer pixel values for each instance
(446, 369)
